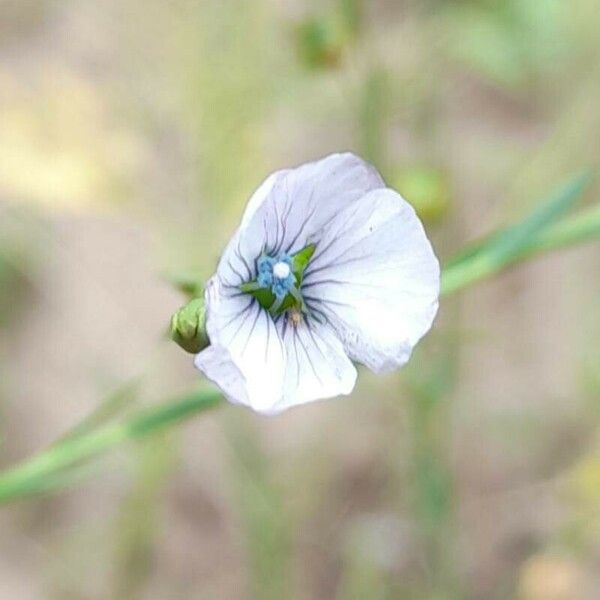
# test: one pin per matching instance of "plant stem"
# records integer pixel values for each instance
(576, 229)
(33, 476)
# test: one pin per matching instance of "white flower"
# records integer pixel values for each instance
(328, 266)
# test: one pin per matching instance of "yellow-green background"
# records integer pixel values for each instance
(132, 133)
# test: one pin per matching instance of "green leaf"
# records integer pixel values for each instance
(115, 404)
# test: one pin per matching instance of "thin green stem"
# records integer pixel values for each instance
(576, 229)
(482, 264)
(34, 475)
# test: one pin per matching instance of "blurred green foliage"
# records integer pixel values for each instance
(513, 43)
(323, 39)
(428, 190)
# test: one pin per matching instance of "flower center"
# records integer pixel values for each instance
(278, 280)
(275, 273)
(281, 270)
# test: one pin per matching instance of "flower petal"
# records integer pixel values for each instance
(238, 262)
(246, 357)
(375, 278)
(304, 200)
(291, 206)
(316, 365)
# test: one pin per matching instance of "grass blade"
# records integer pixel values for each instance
(501, 249)
(47, 470)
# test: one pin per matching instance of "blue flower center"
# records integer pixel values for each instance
(275, 273)
(278, 280)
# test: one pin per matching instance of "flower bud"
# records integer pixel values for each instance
(188, 326)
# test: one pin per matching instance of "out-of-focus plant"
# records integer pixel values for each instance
(323, 39)
(428, 190)
(508, 42)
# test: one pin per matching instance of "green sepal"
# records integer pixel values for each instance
(251, 286)
(188, 326)
(299, 300)
(301, 259)
(266, 298)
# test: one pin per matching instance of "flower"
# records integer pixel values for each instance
(327, 267)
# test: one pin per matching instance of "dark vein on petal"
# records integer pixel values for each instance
(312, 335)
(265, 229)
(300, 231)
(297, 358)
(336, 238)
(230, 265)
(326, 225)
(341, 282)
(284, 328)
(274, 203)
(226, 281)
(244, 262)
(268, 335)
(351, 247)
(242, 322)
(340, 334)
(310, 359)
(310, 272)
(328, 301)
(258, 313)
(238, 314)
(284, 220)
(317, 311)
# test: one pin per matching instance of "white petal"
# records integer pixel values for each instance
(291, 207)
(261, 194)
(246, 356)
(216, 363)
(304, 200)
(375, 279)
(316, 365)
(238, 262)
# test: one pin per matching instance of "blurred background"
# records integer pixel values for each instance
(132, 133)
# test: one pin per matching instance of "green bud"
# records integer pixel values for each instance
(188, 326)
